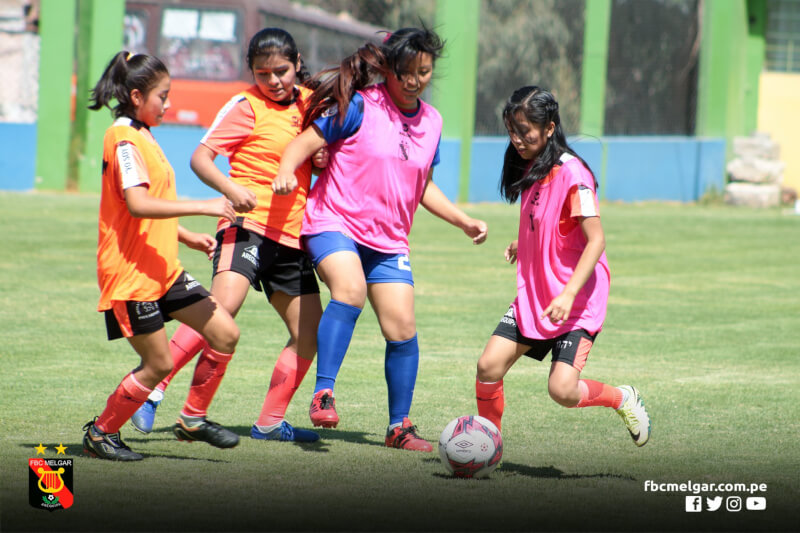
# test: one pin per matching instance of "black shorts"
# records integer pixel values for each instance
(571, 347)
(270, 266)
(130, 318)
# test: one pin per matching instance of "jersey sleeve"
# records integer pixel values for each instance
(131, 165)
(582, 202)
(233, 124)
(436, 158)
(329, 126)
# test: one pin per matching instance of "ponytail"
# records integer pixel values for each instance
(124, 73)
(337, 86)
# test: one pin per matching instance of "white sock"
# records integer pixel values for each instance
(267, 429)
(156, 396)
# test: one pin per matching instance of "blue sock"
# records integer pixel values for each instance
(400, 367)
(333, 338)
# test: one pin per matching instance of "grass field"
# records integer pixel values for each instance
(704, 317)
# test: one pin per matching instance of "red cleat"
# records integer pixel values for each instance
(323, 409)
(405, 437)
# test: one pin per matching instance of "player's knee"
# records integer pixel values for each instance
(488, 371)
(161, 368)
(563, 394)
(225, 339)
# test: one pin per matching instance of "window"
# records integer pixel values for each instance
(201, 43)
(783, 35)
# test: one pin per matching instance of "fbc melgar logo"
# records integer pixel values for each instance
(50, 480)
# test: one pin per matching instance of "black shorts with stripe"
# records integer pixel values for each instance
(268, 265)
(130, 318)
(571, 347)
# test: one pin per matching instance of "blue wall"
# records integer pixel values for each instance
(637, 168)
(17, 156)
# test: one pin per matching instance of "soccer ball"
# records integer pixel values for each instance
(470, 446)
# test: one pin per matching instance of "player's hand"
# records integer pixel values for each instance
(242, 198)
(202, 242)
(221, 207)
(511, 252)
(477, 229)
(320, 158)
(284, 183)
(559, 308)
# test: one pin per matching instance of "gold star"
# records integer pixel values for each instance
(61, 449)
(40, 449)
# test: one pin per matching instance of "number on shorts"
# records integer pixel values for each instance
(402, 263)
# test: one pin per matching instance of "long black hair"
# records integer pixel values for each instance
(270, 41)
(124, 73)
(338, 85)
(540, 108)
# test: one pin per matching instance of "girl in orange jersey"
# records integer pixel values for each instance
(260, 248)
(141, 280)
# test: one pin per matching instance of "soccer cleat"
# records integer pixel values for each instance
(106, 445)
(323, 409)
(208, 431)
(405, 437)
(285, 432)
(142, 419)
(635, 416)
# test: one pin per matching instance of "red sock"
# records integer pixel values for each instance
(491, 400)
(207, 376)
(123, 402)
(289, 371)
(184, 345)
(594, 393)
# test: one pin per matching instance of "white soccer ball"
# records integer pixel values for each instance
(470, 446)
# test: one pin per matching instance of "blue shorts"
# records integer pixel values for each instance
(378, 266)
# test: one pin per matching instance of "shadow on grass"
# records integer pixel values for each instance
(508, 469)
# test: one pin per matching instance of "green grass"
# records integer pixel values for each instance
(703, 318)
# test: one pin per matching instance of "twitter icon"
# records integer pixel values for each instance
(712, 504)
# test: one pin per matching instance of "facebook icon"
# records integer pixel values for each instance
(694, 504)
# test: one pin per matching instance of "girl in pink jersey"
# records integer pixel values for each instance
(261, 248)
(562, 272)
(141, 280)
(383, 142)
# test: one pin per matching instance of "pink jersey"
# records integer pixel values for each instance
(374, 180)
(550, 244)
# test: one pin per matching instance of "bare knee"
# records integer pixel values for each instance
(224, 339)
(489, 371)
(563, 393)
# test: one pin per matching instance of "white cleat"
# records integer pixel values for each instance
(635, 416)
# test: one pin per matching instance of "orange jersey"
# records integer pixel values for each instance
(137, 258)
(253, 131)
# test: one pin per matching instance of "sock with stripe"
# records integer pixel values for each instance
(289, 371)
(596, 394)
(207, 376)
(184, 345)
(129, 395)
(491, 400)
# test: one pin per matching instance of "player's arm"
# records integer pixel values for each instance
(434, 200)
(560, 307)
(142, 205)
(202, 163)
(309, 142)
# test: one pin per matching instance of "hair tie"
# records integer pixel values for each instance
(388, 36)
(129, 56)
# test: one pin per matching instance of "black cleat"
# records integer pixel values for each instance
(106, 445)
(208, 431)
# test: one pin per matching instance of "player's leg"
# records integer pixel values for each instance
(231, 281)
(301, 314)
(497, 358)
(102, 438)
(339, 266)
(566, 388)
(393, 303)
(211, 320)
